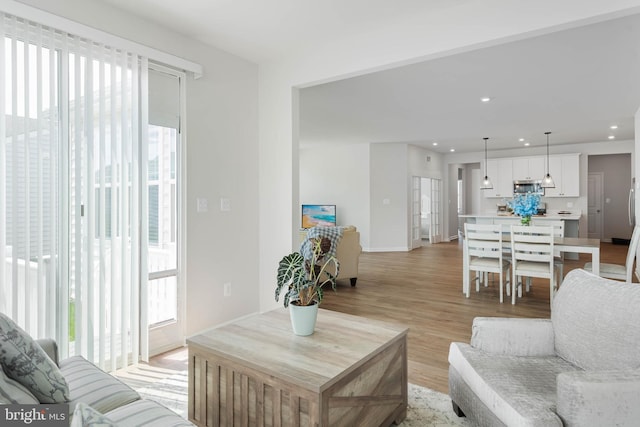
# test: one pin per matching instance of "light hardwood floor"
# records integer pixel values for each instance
(423, 290)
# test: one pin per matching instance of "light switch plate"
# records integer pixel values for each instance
(225, 204)
(202, 205)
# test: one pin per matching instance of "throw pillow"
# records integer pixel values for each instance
(24, 361)
(13, 392)
(85, 416)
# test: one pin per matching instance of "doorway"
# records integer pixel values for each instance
(426, 211)
(608, 188)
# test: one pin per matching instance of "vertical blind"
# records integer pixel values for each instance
(72, 199)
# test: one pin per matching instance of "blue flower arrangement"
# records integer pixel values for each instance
(525, 205)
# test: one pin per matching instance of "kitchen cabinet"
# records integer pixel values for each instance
(565, 171)
(528, 168)
(500, 172)
(564, 168)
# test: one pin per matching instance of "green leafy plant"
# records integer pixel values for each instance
(301, 280)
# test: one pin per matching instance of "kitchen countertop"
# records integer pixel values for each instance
(572, 215)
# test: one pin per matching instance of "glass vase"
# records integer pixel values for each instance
(525, 220)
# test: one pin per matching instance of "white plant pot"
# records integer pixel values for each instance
(303, 318)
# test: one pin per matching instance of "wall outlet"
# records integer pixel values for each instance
(227, 289)
(225, 204)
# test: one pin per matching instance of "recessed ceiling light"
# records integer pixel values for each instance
(452, 149)
(521, 140)
(435, 143)
(614, 126)
(526, 144)
(485, 99)
(612, 137)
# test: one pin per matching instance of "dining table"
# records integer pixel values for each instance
(563, 244)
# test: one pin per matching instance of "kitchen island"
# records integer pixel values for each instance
(571, 222)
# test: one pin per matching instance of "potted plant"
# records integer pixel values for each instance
(301, 279)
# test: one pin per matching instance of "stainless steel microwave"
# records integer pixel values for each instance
(524, 186)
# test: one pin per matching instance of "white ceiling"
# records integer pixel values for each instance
(262, 30)
(575, 83)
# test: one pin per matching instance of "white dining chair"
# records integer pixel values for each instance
(617, 271)
(484, 254)
(558, 256)
(532, 256)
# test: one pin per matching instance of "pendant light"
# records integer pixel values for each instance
(547, 181)
(486, 182)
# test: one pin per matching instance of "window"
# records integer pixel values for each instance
(164, 140)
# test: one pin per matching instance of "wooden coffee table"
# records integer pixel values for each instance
(256, 372)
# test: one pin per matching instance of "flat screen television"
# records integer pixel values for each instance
(318, 215)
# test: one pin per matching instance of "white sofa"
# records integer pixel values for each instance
(581, 367)
(348, 252)
(31, 374)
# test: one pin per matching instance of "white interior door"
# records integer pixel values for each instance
(425, 208)
(594, 205)
(435, 228)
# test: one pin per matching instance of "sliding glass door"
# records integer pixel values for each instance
(75, 225)
(31, 201)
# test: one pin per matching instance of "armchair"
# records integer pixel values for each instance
(581, 367)
(347, 252)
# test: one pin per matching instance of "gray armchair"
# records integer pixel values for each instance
(581, 367)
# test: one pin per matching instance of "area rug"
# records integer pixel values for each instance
(427, 408)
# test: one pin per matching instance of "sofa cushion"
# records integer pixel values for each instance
(86, 416)
(27, 363)
(146, 413)
(93, 386)
(595, 322)
(13, 392)
(521, 391)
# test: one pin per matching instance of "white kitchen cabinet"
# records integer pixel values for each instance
(500, 172)
(528, 168)
(565, 171)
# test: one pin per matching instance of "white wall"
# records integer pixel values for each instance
(425, 163)
(222, 161)
(351, 180)
(338, 175)
(389, 198)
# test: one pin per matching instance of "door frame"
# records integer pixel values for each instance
(600, 195)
